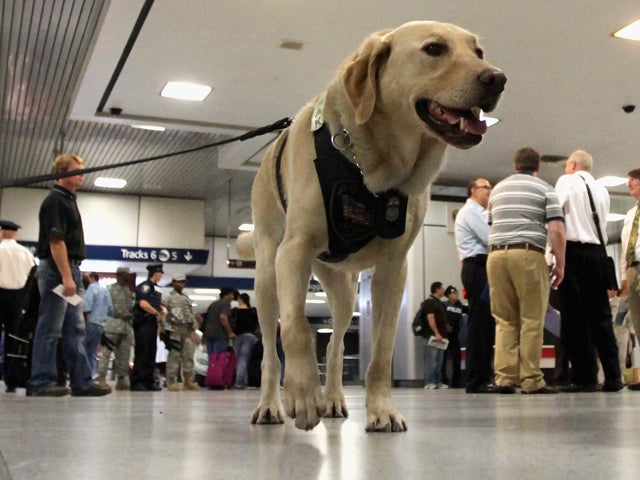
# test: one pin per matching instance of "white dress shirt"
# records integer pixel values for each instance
(578, 217)
(472, 230)
(15, 263)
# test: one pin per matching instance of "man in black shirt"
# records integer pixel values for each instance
(61, 249)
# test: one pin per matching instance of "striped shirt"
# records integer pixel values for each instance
(519, 208)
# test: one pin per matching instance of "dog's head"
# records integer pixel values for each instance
(432, 73)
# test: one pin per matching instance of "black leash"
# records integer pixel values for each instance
(19, 182)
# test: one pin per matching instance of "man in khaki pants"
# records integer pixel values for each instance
(630, 261)
(523, 211)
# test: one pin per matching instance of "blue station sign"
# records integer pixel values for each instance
(143, 254)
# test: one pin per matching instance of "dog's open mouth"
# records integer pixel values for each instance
(461, 128)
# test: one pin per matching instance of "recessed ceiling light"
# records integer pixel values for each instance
(630, 32)
(186, 91)
(325, 330)
(246, 227)
(107, 182)
(155, 128)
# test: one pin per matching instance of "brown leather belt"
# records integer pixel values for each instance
(517, 246)
(634, 264)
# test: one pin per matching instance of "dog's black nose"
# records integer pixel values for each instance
(493, 79)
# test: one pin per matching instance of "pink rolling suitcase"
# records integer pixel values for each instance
(221, 372)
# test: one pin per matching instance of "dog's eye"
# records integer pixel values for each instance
(435, 49)
(479, 53)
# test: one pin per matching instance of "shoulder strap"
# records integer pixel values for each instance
(596, 218)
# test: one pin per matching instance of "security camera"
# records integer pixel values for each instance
(118, 111)
(628, 108)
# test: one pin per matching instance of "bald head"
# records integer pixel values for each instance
(579, 160)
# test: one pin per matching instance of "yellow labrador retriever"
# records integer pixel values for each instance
(388, 114)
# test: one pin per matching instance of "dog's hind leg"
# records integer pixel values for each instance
(303, 394)
(341, 288)
(386, 294)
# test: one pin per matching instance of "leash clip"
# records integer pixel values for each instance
(343, 143)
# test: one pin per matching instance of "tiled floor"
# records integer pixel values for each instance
(207, 435)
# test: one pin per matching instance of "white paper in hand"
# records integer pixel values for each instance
(442, 344)
(74, 299)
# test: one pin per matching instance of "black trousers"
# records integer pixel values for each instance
(145, 329)
(586, 315)
(482, 327)
(452, 360)
(8, 310)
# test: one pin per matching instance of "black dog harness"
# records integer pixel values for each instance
(354, 215)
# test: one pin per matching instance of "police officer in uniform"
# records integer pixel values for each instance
(148, 313)
(118, 332)
(179, 328)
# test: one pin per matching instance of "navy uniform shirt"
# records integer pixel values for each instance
(147, 291)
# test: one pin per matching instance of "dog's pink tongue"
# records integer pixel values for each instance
(473, 126)
(467, 122)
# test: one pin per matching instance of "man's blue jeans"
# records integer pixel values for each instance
(91, 343)
(58, 320)
(432, 364)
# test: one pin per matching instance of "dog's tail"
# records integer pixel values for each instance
(244, 246)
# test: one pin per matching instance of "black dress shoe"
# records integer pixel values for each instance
(613, 386)
(634, 386)
(484, 389)
(577, 388)
(506, 389)
(541, 391)
(138, 388)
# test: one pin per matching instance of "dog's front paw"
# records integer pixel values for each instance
(336, 405)
(267, 414)
(304, 403)
(385, 418)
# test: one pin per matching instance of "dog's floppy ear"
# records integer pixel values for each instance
(360, 78)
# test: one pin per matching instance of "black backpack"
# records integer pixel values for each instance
(419, 325)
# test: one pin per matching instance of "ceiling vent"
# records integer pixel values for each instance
(291, 45)
(553, 158)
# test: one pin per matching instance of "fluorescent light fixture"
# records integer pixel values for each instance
(207, 291)
(155, 128)
(615, 217)
(107, 182)
(355, 314)
(491, 121)
(316, 301)
(630, 32)
(186, 91)
(203, 297)
(612, 181)
(246, 227)
(325, 330)
(321, 294)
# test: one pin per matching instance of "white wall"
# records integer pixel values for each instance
(116, 219)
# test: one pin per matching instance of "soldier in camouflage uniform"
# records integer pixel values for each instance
(118, 332)
(179, 327)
